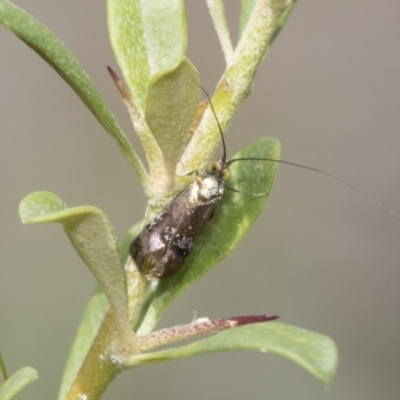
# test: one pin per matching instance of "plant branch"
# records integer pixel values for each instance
(218, 16)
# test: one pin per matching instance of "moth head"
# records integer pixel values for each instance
(216, 168)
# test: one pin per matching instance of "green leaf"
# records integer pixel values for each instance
(3, 372)
(233, 218)
(171, 107)
(89, 331)
(93, 238)
(312, 351)
(54, 52)
(17, 382)
(245, 12)
(148, 38)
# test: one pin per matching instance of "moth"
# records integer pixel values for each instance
(163, 245)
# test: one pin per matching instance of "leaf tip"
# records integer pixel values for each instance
(39, 204)
(252, 319)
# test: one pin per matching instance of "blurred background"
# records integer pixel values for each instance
(322, 256)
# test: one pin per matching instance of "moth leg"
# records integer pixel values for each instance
(189, 173)
(157, 271)
(247, 193)
(232, 189)
(192, 172)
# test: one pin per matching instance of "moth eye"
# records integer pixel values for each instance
(225, 174)
(214, 166)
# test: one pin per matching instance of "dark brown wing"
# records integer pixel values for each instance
(163, 245)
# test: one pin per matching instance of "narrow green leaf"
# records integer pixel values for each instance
(218, 15)
(148, 38)
(54, 52)
(312, 351)
(3, 371)
(233, 218)
(245, 12)
(18, 381)
(171, 107)
(283, 20)
(93, 238)
(88, 329)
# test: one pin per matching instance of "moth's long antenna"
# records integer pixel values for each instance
(219, 126)
(229, 162)
(394, 212)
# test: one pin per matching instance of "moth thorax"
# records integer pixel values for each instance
(210, 187)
